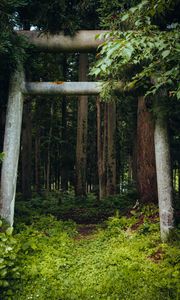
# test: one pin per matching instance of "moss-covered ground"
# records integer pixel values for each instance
(120, 258)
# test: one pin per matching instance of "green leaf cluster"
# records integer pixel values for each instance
(2, 156)
(8, 255)
(146, 57)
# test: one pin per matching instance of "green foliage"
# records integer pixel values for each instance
(146, 56)
(65, 206)
(2, 156)
(152, 13)
(11, 46)
(110, 12)
(68, 16)
(8, 256)
(117, 262)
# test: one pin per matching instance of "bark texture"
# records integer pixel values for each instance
(100, 153)
(26, 150)
(11, 147)
(48, 170)
(81, 146)
(111, 149)
(146, 166)
(64, 147)
(164, 181)
(106, 148)
(37, 161)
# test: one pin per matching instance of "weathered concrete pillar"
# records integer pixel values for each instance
(11, 146)
(163, 168)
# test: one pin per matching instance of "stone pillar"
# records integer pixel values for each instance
(11, 146)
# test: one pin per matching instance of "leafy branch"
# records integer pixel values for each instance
(140, 55)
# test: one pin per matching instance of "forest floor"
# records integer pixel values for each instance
(117, 258)
(85, 231)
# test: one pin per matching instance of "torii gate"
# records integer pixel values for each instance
(83, 41)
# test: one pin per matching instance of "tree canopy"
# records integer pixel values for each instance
(143, 49)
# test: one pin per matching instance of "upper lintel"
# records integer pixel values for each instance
(82, 41)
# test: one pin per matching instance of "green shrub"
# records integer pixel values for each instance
(64, 205)
(8, 254)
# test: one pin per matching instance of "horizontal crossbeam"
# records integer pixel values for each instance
(82, 41)
(61, 88)
(67, 88)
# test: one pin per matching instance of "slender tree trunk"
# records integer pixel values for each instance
(130, 169)
(37, 161)
(56, 174)
(81, 147)
(134, 158)
(58, 171)
(26, 150)
(104, 152)
(111, 149)
(11, 147)
(64, 164)
(48, 180)
(164, 181)
(146, 167)
(101, 144)
(48, 166)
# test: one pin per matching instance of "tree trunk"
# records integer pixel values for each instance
(48, 180)
(164, 181)
(101, 148)
(146, 167)
(99, 152)
(104, 151)
(37, 161)
(134, 158)
(81, 147)
(111, 149)
(64, 164)
(26, 150)
(130, 169)
(11, 147)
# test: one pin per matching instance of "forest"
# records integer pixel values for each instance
(89, 150)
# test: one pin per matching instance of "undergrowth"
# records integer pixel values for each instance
(123, 259)
(8, 256)
(64, 205)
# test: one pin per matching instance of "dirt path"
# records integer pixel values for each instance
(85, 231)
